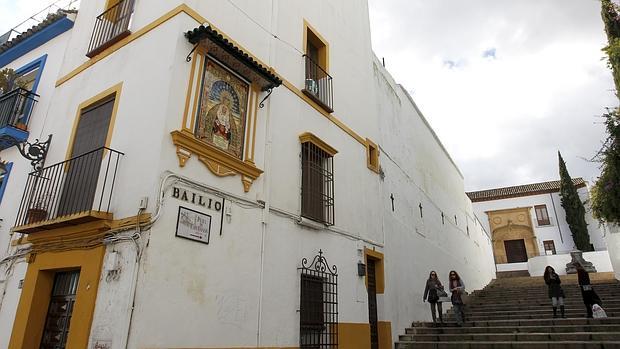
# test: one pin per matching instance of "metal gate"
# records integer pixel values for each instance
(56, 330)
(318, 310)
(372, 303)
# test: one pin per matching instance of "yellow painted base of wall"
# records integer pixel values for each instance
(35, 297)
(385, 335)
(357, 336)
(353, 336)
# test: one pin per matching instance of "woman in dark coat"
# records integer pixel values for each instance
(556, 293)
(433, 285)
(457, 287)
(587, 292)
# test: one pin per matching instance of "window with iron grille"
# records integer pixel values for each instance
(542, 215)
(318, 306)
(317, 184)
(549, 247)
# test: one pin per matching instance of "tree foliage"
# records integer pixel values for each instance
(575, 211)
(606, 190)
(8, 80)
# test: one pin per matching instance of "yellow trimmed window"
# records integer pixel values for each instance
(318, 82)
(317, 179)
(372, 156)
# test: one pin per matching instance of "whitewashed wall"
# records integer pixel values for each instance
(600, 259)
(612, 237)
(418, 170)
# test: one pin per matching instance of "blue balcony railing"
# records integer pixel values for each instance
(15, 109)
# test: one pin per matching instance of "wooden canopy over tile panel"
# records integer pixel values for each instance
(237, 59)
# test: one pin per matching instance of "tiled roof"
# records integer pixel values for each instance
(521, 190)
(50, 19)
(227, 47)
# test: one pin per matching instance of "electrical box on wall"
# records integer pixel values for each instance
(144, 203)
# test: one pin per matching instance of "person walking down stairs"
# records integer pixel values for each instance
(432, 292)
(587, 292)
(556, 293)
(513, 313)
(457, 287)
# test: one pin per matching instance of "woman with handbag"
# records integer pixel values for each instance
(433, 291)
(457, 287)
(556, 293)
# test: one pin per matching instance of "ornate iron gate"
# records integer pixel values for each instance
(318, 310)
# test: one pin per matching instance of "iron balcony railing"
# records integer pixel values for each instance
(16, 107)
(81, 184)
(318, 85)
(111, 27)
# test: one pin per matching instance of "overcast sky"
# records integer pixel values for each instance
(504, 83)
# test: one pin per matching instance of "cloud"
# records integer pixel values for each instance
(490, 53)
(502, 117)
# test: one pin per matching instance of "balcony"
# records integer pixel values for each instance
(75, 191)
(318, 85)
(111, 27)
(15, 109)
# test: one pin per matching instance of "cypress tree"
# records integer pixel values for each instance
(575, 212)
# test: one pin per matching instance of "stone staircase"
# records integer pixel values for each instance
(516, 313)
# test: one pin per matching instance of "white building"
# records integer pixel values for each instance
(529, 229)
(204, 154)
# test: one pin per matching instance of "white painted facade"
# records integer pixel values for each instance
(612, 237)
(558, 231)
(242, 289)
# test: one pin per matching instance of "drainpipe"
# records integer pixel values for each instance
(266, 193)
(556, 218)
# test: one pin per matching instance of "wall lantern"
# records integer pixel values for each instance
(361, 269)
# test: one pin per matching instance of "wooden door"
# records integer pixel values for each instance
(515, 251)
(58, 320)
(372, 303)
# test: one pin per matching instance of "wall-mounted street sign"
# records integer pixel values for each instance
(193, 225)
(198, 224)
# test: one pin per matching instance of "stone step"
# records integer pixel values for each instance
(513, 329)
(542, 310)
(517, 313)
(540, 300)
(546, 307)
(508, 345)
(513, 337)
(523, 296)
(536, 305)
(474, 318)
(544, 293)
(529, 322)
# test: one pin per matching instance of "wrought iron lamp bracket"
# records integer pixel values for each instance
(36, 152)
